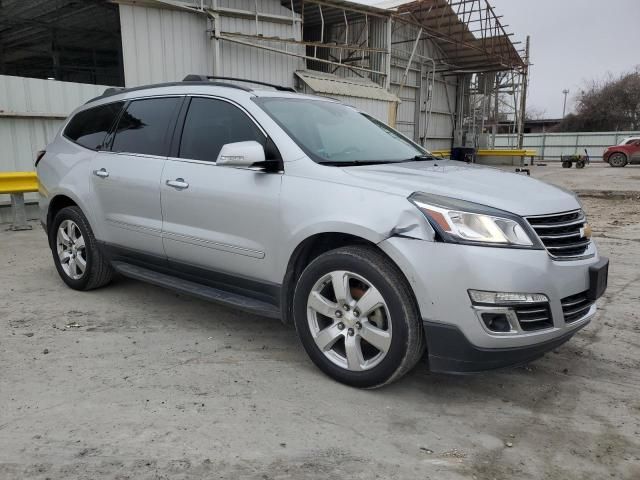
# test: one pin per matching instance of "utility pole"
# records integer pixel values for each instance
(523, 95)
(564, 106)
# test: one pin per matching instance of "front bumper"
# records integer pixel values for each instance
(449, 351)
(441, 275)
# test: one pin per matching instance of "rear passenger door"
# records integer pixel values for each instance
(126, 177)
(219, 219)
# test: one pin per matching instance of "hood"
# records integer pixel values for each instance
(516, 193)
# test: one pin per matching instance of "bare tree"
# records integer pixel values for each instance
(608, 105)
(534, 113)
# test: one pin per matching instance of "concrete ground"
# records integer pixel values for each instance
(596, 176)
(135, 382)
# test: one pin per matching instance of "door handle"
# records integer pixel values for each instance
(102, 173)
(178, 184)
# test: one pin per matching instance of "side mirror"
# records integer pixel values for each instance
(242, 155)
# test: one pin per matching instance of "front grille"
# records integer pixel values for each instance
(534, 316)
(561, 233)
(575, 307)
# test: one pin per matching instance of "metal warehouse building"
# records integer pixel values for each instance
(444, 72)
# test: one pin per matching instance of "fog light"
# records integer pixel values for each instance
(496, 322)
(505, 298)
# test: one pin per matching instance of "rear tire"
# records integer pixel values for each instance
(566, 164)
(368, 348)
(76, 255)
(618, 160)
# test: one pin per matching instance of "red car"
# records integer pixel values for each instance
(627, 151)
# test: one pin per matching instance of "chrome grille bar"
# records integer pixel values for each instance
(562, 233)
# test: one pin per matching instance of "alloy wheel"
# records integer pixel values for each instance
(71, 249)
(349, 320)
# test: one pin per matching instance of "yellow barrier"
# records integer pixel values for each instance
(492, 153)
(18, 182)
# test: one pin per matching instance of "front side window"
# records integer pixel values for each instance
(144, 126)
(210, 124)
(89, 128)
(335, 134)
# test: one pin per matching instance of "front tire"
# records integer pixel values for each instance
(356, 317)
(79, 262)
(618, 160)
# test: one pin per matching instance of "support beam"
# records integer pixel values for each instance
(523, 95)
(19, 211)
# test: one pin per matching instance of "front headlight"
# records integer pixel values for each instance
(458, 221)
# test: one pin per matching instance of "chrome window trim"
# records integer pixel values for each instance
(127, 154)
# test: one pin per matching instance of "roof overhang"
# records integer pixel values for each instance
(467, 32)
(329, 84)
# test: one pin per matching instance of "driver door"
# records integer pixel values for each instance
(218, 222)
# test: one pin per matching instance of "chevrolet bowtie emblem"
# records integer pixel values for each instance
(586, 231)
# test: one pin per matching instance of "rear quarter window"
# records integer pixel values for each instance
(89, 127)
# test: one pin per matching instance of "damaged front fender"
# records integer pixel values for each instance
(412, 224)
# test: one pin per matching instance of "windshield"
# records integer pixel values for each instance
(335, 134)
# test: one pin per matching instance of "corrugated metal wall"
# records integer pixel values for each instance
(258, 64)
(31, 112)
(435, 131)
(21, 96)
(550, 146)
(163, 45)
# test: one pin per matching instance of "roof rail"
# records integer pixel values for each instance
(116, 90)
(206, 78)
(112, 91)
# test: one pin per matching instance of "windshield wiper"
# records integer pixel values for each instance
(351, 163)
(419, 158)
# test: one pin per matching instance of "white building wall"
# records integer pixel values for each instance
(31, 113)
(243, 61)
(163, 45)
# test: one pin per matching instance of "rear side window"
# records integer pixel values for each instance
(90, 127)
(210, 124)
(144, 126)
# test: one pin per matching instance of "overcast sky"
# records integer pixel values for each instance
(572, 42)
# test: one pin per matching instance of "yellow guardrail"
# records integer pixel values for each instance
(492, 153)
(18, 182)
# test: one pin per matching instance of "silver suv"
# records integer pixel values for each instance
(302, 208)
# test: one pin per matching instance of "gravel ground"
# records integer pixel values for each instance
(134, 382)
